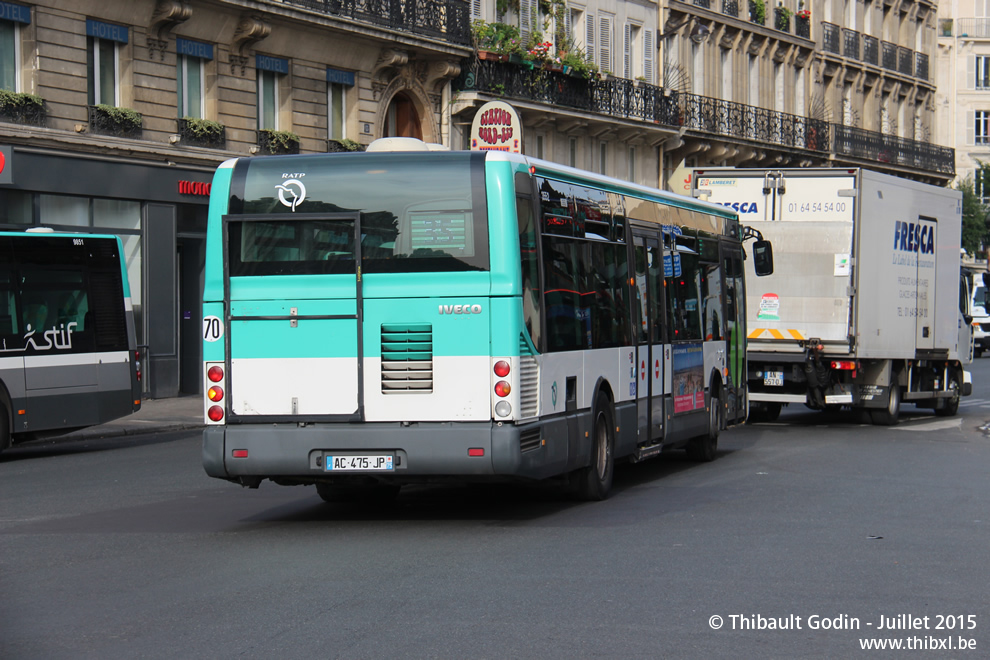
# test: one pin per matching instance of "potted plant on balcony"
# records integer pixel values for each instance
(22, 108)
(202, 132)
(493, 41)
(757, 12)
(338, 146)
(278, 142)
(111, 120)
(782, 18)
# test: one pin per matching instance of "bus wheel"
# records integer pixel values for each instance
(888, 416)
(950, 406)
(4, 428)
(703, 447)
(593, 483)
(374, 494)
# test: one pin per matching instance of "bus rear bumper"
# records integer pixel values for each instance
(420, 450)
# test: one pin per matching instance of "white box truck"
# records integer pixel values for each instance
(863, 307)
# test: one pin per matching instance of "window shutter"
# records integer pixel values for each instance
(589, 38)
(526, 19)
(970, 127)
(475, 9)
(971, 72)
(627, 52)
(648, 54)
(605, 43)
(568, 27)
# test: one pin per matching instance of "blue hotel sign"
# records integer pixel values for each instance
(193, 48)
(16, 13)
(269, 63)
(338, 77)
(108, 31)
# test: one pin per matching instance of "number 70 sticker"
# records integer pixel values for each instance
(212, 328)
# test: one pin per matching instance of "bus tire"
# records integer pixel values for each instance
(704, 447)
(888, 416)
(4, 428)
(593, 483)
(376, 494)
(950, 406)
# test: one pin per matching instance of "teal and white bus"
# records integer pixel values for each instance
(68, 356)
(392, 317)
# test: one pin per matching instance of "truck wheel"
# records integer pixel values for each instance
(888, 416)
(950, 406)
(703, 447)
(593, 483)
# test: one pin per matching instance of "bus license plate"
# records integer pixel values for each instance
(359, 463)
(773, 378)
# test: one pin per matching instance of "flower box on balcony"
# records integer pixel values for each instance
(277, 142)
(492, 56)
(119, 122)
(22, 108)
(202, 133)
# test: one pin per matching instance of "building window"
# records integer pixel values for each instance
(191, 76)
(267, 100)
(336, 124)
(9, 56)
(602, 156)
(981, 187)
(101, 69)
(572, 152)
(632, 164)
(539, 147)
(981, 127)
(982, 71)
(190, 84)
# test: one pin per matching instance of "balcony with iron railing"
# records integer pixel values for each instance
(730, 8)
(830, 38)
(871, 50)
(705, 4)
(972, 28)
(802, 26)
(905, 61)
(850, 43)
(888, 52)
(921, 66)
(757, 13)
(890, 149)
(616, 97)
(446, 20)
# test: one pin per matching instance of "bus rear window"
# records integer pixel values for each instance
(415, 213)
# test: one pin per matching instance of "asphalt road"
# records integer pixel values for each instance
(125, 549)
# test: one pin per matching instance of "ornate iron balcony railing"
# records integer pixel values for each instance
(802, 27)
(782, 19)
(702, 113)
(617, 97)
(447, 20)
(905, 63)
(755, 15)
(871, 50)
(882, 148)
(707, 4)
(921, 66)
(889, 54)
(830, 38)
(850, 43)
(730, 7)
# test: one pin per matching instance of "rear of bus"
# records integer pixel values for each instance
(357, 322)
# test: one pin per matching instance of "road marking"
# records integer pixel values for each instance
(932, 426)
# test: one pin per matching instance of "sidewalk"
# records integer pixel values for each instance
(156, 415)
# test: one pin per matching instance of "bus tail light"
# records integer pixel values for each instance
(215, 386)
(501, 368)
(137, 365)
(502, 388)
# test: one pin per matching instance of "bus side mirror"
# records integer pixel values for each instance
(762, 257)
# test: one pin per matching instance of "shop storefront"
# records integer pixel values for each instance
(159, 212)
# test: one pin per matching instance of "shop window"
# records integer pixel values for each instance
(16, 208)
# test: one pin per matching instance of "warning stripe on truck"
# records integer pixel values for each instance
(776, 334)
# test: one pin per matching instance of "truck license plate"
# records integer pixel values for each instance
(375, 463)
(773, 378)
